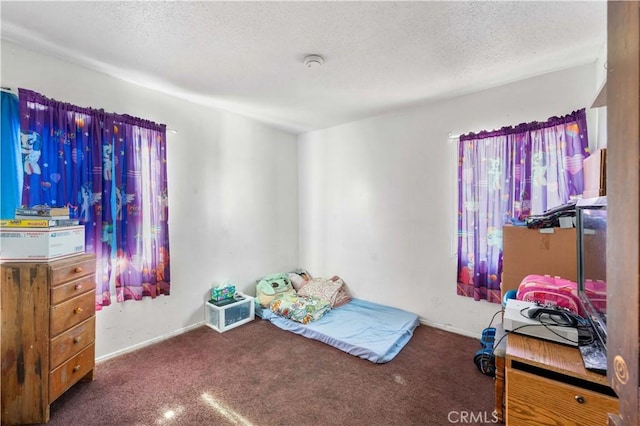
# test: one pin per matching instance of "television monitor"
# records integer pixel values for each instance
(591, 224)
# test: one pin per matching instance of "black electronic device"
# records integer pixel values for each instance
(594, 356)
(591, 224)
(559, 316)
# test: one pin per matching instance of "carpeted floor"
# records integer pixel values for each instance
(258, 374)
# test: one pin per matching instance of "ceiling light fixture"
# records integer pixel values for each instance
(313, 61)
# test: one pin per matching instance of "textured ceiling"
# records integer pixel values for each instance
(247, 57)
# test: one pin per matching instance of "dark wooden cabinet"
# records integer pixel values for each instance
(623, 196)
(48, 334)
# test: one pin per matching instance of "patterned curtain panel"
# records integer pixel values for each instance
(141, 210)
(111, 171)
(504, 176)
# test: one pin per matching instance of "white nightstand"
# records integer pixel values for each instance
(226, 317)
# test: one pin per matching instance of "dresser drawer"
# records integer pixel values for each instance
(67, 314)
(72, 289)
(539, 400)
(71, 342)
(63, 377)
(71, 269)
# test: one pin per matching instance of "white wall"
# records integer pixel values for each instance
(600, 141)
(377, 196)
(371, 201)
(232, 194)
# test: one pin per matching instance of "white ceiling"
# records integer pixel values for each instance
(247, 57)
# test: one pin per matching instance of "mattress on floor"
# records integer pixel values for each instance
(364, 329)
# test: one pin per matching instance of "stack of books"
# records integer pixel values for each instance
(40, 217)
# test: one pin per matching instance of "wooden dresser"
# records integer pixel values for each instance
(527, 251)
(548, 384)
(48, 334)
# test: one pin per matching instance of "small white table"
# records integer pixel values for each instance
(231, 315)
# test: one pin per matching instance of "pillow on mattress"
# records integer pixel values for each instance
(299, 278)
(271, 286)
(297, 281)
(300, 309)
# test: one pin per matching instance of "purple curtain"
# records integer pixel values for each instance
(506, 175)
(111, 171)
(141, 213)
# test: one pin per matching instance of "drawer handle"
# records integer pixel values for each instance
(77, 310)
(78, 270)
(78, 286)
(76, 368)
(579, 398)
(77, 339)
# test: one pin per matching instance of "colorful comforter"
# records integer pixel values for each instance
(300, 309)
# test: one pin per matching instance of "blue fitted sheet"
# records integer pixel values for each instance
(365, 329)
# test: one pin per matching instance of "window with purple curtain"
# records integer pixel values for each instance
(110, 170)
(507, 175)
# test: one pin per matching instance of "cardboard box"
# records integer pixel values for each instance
(548, 251)
(40, 244)
(595, 174)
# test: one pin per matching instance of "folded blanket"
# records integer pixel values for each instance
(332, 290)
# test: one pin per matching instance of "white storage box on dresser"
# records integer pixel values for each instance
(48, 333)
(41, 244)
(231, 315)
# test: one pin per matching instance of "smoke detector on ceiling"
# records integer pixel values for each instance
(313, 61)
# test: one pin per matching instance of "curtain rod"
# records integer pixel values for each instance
(10, 90)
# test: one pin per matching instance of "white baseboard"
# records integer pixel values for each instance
(196, 325)
(148, 342)
(449, 328)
